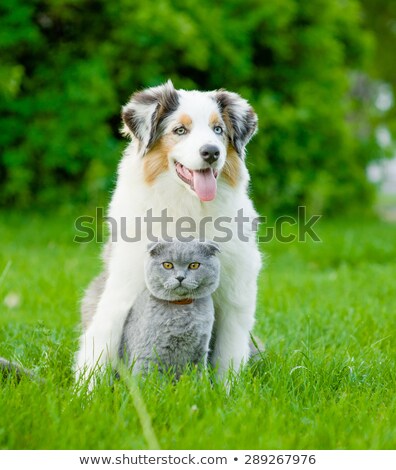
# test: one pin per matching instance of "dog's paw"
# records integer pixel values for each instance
(86, 379)
(88, 368)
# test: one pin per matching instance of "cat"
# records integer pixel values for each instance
(170, 324)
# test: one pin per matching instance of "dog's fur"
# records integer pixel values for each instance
(147, 179)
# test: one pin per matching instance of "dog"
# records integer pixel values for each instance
(187, 158)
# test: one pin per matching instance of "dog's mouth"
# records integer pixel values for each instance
(203, 182)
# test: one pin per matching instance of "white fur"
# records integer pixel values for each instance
(187, 151)
(235, 299)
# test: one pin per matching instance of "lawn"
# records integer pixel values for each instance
(326, 380)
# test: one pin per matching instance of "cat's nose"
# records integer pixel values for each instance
(180, 278)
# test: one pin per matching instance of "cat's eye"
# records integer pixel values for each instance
(194, 266)
(167, 265)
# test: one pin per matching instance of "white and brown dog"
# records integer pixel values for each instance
(186, 157)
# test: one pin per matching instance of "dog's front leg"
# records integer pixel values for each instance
(99, 343)
(235, 306)
(232, 333)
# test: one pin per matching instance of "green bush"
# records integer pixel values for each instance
(66, 67)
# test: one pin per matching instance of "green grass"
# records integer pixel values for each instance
(326, 380)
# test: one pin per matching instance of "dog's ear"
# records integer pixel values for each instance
(145, 111)
(239, 117)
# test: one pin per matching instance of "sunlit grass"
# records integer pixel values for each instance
(326, 379)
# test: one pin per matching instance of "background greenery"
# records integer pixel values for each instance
(67, 66)
(314, 71)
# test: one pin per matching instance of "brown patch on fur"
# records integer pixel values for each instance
(228, 123)
(185, 120)
(232, 168)
(214, 119)
(155, 161)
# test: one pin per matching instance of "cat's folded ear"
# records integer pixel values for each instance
(211, 248)
(155, 248)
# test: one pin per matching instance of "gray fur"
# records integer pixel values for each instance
(12, 368)
(95, 290)
(91, 298)
(164, 333)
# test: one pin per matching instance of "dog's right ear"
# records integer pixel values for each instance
(145, 111)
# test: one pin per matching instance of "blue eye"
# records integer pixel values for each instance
(218, 130)
(180, 131)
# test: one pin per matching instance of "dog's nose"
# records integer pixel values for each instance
(210, 153)
(180, 278)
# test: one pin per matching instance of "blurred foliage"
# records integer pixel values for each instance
(380, 17)
(66, 67)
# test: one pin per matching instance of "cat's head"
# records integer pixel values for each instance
(178, 270)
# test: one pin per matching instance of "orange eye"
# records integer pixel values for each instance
(194, 266)
(167, 265)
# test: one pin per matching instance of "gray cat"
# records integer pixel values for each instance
(171, 321)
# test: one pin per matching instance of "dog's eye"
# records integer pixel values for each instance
(194, 266)
(218, 130)
(180, 130)
(167, 265)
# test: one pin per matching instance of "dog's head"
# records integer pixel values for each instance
(197, 137)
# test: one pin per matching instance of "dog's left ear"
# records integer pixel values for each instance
(145, 111)
(239, 117)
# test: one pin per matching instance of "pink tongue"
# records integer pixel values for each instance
(204, 184)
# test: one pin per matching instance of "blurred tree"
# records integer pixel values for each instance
(68, 65)
(380, 17)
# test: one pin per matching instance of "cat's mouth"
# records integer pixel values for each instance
(202, 182)
(182, 291)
